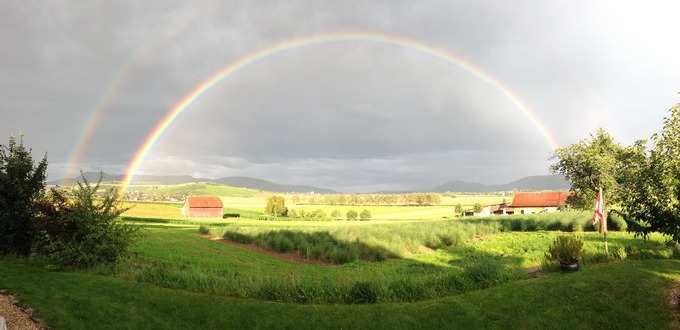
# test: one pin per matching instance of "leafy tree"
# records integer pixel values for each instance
(477, 208)
(458, 209)
(365, 215)
(22, 183)
(82, 228)
(335, 214)
(276, 206)
(588, 165)
(650, 181)
(352, 215)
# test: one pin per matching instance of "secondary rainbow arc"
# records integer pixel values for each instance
(250, 58)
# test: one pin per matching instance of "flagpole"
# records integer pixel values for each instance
(603, 223)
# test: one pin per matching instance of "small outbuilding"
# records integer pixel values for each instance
(539, 202)
(203, 207)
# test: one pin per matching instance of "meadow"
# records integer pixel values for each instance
(412, 265)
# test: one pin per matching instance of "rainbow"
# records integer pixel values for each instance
(93, 121)
(256, 56)
(139, 57)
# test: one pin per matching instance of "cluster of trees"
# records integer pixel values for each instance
(319, 214)
(76, 227)
(641, 181)
(276, 206)
(419, 199)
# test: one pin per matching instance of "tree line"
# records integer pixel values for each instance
(410, 199)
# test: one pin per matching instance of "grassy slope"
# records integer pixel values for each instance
(618, 295)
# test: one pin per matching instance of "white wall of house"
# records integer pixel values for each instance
(531, 210)
(486, 211)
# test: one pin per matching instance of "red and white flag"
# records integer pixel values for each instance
(598, 215)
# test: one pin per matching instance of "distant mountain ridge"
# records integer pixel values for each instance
(529, 183)
(235, 181)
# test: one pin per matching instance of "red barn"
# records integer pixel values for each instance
(539, 202)
(203, 206)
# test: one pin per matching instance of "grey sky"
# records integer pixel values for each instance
(347, 115)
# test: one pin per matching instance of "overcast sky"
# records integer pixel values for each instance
(351, 115)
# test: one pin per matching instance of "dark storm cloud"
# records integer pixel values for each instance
(350, 115)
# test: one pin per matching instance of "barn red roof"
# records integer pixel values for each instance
(204, 202)
(540, 199)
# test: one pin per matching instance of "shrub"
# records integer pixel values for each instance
(81, 228)
(485, 273)
(365, 215)
(620, 253)
(453, 283)
(336, 214)
(238, 237)
(575, 225)
(516, 224)
(406, 290)
(566, 250)
(351, 215)
(529, 225)
(364, 293)
(448, 239)
(276, 206)
(616, 222)
(231, 215)
(203, 230)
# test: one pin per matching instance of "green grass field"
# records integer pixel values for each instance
(440, 271)
(173, 281)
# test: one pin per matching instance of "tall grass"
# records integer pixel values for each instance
(476, 275)
(398, 240)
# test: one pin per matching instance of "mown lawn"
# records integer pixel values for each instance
(622, 295)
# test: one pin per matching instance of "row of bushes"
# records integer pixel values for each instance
(479, 274)
(316, 245)
(564, 221)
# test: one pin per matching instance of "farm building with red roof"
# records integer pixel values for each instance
(539, 202)
(203, 207)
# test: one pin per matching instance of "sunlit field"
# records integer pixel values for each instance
(250, 203)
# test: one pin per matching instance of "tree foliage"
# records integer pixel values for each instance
(477, 208)
(365, 215)
(81, 227)
(22, 183)
(352, 215)
(650, 181)
(458, 209)
(276, 206)
(588, 165)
